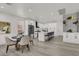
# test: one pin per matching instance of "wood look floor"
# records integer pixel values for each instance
(54, 47)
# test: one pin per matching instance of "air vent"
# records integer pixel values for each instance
(62, 11)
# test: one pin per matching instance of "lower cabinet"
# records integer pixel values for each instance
(71, 37)
(41, 36)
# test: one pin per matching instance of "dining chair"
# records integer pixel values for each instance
(24, 43)
(9, 43)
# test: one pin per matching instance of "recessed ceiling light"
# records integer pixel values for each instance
(51, 13)
(40, 16)
(2, 6)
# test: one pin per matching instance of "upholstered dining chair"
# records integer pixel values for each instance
(9, 43)
(24, 43)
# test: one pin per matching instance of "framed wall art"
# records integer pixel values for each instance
(5, 27)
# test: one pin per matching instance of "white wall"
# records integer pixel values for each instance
(58, 25)
(26, 28)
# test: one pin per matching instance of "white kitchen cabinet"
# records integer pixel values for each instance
(71, 37)
(41, 36)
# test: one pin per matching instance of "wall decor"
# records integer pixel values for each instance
(69, 18)
(4, 27)
(71, 21)
(69, 30)
(20, 28)
(75, 22)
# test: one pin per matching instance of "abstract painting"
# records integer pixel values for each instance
(4, 27)
(71, 23)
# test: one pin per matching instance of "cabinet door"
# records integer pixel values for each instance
(68, 37)
(41, 36)
(76, 38)
(65, 37)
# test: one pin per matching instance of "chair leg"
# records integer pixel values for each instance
(22, 48)
(31, 42)
(7, 48)
(17, 47)
(28, 46)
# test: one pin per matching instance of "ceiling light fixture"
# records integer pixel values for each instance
(51, 13)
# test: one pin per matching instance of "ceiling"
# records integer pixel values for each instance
(42, 12)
